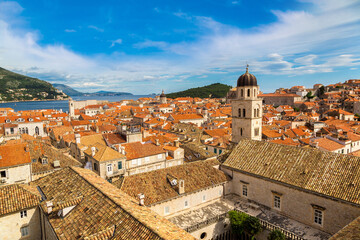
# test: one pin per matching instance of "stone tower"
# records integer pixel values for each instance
(246, 109)
(163, 98)
(71, 108)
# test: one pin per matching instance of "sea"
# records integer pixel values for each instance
(64, 104)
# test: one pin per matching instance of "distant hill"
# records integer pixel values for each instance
(67, 90)
(216, 90)
(17, 87)
(72, 92)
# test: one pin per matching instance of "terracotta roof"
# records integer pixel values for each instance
(328, 144)
(16, 197)
(14, 154)
(327, 173)
(100, 208)
(138, 150)
(92, 139)
(113, 138)
(39, 149)
(156, 186)
(350, 231)
(103, 153)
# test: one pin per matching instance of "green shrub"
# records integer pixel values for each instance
(252, 226)
(236, 221)
(276, 235)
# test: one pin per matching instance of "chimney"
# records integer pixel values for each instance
(93, 151)
(157, 142)
(122, 150)
(141, 199)
(176, 143)
(181, 186)
(77, 138)
(49, 206)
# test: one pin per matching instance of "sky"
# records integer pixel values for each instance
(142, 47)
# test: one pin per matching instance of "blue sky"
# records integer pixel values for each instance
(145, 46)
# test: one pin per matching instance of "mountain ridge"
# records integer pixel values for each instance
(18, 87)
(215, 90)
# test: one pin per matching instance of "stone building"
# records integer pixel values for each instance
(105, 161)
(163, 99)
(315, 188)
(15, 164)
(78, 204)
(176, 192)
(278, 99)
(19, 212)
(246, 109)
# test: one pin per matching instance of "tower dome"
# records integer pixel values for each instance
(162, 94)
(247, 79)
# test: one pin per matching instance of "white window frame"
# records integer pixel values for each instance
(318, 217)
(147, 159)
(24, 231)
(277, 202)
(109, 168)
(186, 203)
(244, 190)
(204, 198)
(159, 156)
(23, 214)
(134, 162)
(139, 161)
(166, 210)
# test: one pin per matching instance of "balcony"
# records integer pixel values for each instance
(115, 173)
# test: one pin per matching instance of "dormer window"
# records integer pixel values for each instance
(44, 160)
(7, 120)
(31, 119)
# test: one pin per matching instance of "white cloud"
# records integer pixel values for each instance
(96, 28)
(149, 43)
(117, 41)
(70, 30)
(299, 42)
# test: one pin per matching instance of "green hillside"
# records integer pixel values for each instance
(216, 90)
(17, 87)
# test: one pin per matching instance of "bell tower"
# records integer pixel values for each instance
(246, 109)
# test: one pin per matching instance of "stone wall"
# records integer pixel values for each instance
(295, 204)
(11, 224)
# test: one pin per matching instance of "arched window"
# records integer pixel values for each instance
(239, 112)
(37, 132)
(248, 92)
(254, 112)
(242, 92)
(241, 131)
(254, 92)
(27, 130)
(258, 112)
(244, 112)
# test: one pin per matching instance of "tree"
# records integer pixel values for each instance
(309, 95)
(252, 226)
(276, 235)
(236, 221)
(321, 91)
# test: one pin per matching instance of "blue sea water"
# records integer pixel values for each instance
(63, 105)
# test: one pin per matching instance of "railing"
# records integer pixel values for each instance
(271, 227)
(115, 173)
(264, 224)
(206, 223)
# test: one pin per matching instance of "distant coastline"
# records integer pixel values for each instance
(39, 100)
